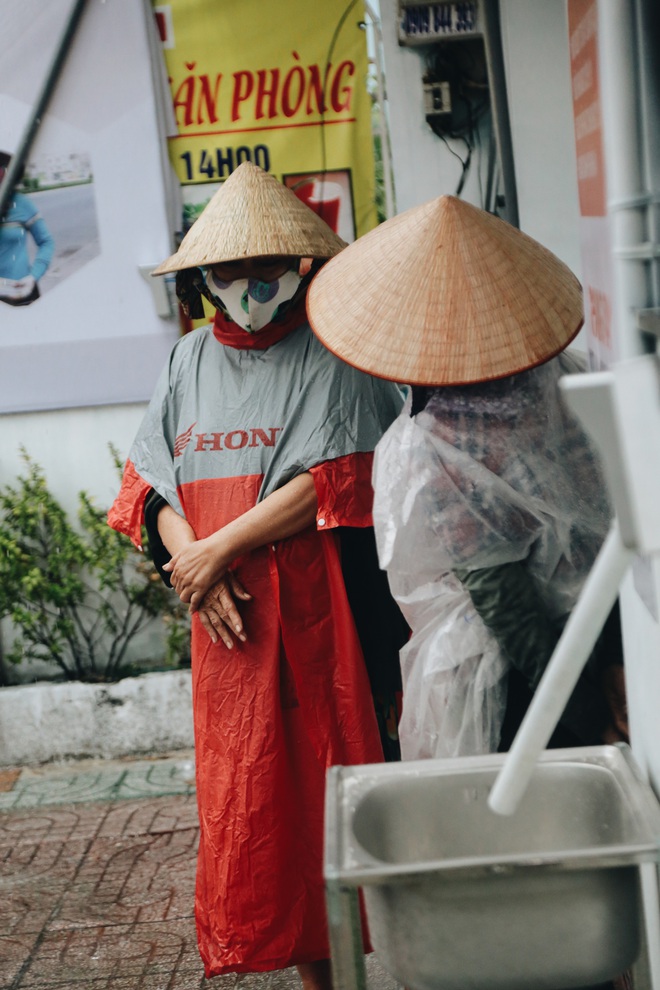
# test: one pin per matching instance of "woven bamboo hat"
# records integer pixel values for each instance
(253, 215)
(445, 294)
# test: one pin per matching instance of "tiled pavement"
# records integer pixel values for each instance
(97, 780)
(97, 865)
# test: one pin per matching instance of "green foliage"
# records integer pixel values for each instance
(192, 212)
(77, 596)
(380, 179)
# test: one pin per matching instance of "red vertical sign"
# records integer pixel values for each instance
(583, 34)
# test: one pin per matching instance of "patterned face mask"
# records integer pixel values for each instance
(249, 302)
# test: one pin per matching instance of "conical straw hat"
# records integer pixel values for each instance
(253, 215)
(445, 294)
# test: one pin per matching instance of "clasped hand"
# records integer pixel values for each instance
(218, 613)
(195, 568)
(201, 577)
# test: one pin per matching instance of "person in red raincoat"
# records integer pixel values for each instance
(252, 472)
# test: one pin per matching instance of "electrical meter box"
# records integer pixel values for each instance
(429, 23)
(437, 99)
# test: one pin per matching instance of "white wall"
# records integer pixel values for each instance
(534, 36)
(537, 65)
(71, 445)
(423, 168)
(536, 54)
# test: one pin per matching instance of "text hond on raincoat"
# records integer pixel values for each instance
(233, 440)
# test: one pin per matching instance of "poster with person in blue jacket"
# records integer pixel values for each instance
(26, 246)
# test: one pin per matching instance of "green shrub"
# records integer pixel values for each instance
(78, 596)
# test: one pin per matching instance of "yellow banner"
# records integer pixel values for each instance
(283, 85)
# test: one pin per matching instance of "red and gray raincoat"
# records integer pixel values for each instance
(233, 418)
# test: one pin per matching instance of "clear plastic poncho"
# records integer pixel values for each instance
(485, 475)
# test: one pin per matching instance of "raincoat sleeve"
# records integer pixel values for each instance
(344, 498)
(360, 408)
(150, 463)
(507, 601)
(343, 491)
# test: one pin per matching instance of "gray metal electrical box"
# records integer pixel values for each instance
(437, 99)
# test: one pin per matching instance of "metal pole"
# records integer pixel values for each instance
(647, 29)
(47, 89)
(499, 107)
(345, 933)
(342, 901)
(561, 675)
(628, 199)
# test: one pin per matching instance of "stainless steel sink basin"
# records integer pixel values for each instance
(458, 897)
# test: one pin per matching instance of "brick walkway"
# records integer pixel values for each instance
(96, 883)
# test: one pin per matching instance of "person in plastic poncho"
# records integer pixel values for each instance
(490, 505)
(252, 471)
(19, 277)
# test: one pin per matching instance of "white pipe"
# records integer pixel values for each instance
(646, 25)
(499, 108)
(624, 165)
(562, 673)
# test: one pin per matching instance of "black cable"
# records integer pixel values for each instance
(476, 107)
(466, 169)
(465, 163)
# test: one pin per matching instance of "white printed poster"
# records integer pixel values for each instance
(88, 216)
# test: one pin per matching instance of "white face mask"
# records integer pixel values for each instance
(249, 302)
